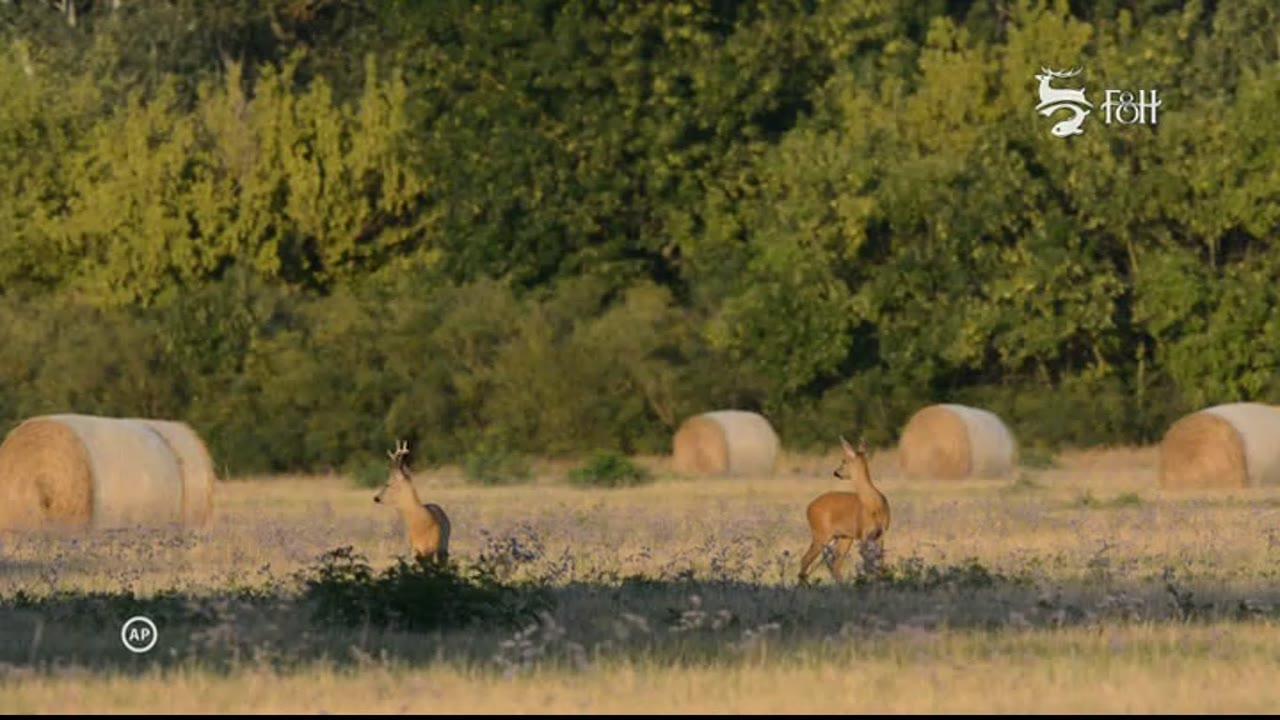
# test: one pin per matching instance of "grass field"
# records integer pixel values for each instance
(1078, 588)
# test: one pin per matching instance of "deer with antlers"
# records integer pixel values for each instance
(841, 518)
(427, 524)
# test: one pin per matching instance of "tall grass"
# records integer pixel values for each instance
(684, 589)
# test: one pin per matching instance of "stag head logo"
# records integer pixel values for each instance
(1053, 99)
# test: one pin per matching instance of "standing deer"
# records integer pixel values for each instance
(843, 517)
(427, 524)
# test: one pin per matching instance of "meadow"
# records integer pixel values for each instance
(1076, 585)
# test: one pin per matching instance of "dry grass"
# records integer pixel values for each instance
(1132, 670)
(1079, 588)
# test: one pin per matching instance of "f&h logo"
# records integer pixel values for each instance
(1121, 106)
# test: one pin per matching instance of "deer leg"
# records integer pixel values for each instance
(828, 554)
(872, 551)
(843, 546)
(809, 556)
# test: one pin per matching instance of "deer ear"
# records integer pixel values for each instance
(848, 449)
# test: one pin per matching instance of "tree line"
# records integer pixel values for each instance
(549, 227)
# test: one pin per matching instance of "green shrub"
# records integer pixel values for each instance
(1126, 500)
(1087, 500)
(1075, 411)
(367, 472)
(413, 595)
(1038, 456)
(493, 466)
(609, 469)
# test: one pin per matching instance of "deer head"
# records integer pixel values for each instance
(399, 477)
(851, 455)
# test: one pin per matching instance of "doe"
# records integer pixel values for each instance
(840, 518)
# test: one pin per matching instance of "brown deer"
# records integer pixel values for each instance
(840, 518)
(427, 524)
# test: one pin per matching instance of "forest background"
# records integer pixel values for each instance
(310, 226)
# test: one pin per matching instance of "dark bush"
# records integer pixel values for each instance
(913, 573)
(367, 472)
(489, 465)
(609, 470)
(413, 595)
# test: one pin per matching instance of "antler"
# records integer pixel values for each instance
(1057, 74)
(397, 456)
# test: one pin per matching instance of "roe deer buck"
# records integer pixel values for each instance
(428, 526)
(843, 517)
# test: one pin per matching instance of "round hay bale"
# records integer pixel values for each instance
(198, 476)
(725, 442)
(81, 471)
(956, 441)
(1226, 446)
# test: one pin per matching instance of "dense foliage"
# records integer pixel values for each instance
(548, 227)
(610, 470)
(414, 595)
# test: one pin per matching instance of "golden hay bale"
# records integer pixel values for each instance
(198, 476)
(83, 471)
(1225, 446)
(726, 442)
(956, 441)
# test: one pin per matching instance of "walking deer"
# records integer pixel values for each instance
(427, 524)
(841, 518)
